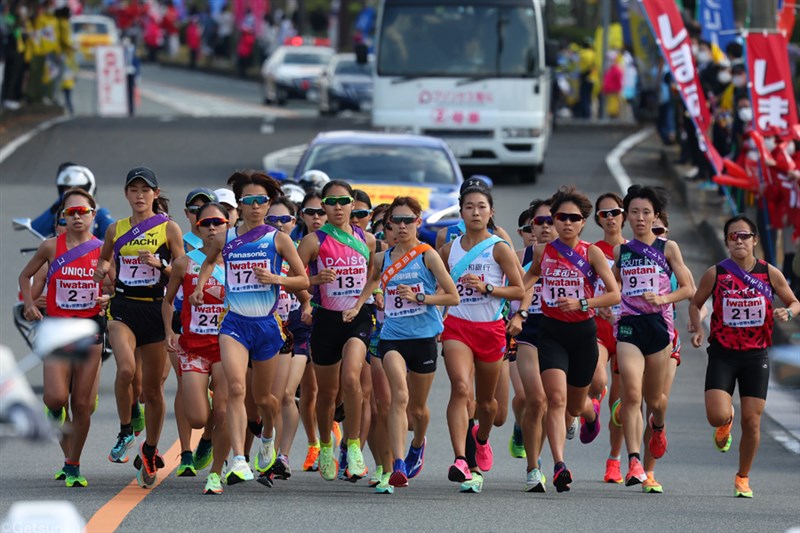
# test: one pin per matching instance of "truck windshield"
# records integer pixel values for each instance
(458, 40)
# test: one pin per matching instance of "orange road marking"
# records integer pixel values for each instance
(110, 516)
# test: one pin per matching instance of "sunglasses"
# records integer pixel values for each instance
(361, 213)
(542, 220)
(403, 219)
(260, 199)
(212, 221)
(331, 201)
(62, 222)
(526, 228)
(610, 213)
(660, 230)
(313, 211)
(193, 209)
(387, 227)
(743, 235)
(283, 219)
(572, 217)
(78, 210)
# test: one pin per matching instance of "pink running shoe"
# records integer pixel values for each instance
(483, 452)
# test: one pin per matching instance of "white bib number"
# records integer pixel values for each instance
(284, 304)
(242, 278)
(134, 273)
(639, 280)
(349, 282)
(76, 294)
(536, 301)
(470, 295)
(206, 319)
(555, 288)
(396, 307)
(743, 312)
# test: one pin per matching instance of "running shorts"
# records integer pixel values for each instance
(419, 354)
(570, 347)
(200, 362)
(330, 333)
(143, 318)
(605, 335)
(530, 330)
(261, 335)
(301, 333)
(726, 367)
(647, 332)
(487, 340)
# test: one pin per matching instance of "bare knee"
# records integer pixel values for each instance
(536, 405)
(236, 391)
(460, 390)
(556, 400)
(125, 374)
(81, 406)
(351, 381)
(487, 406)
(751, 424)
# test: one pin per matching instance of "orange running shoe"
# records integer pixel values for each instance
(741, 487)
(650, 485)
(312, 458)
(658, 440)
(722, 435)
(635, 473)
(613, 473)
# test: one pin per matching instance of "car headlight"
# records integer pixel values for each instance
(520, 133)
(449, 214)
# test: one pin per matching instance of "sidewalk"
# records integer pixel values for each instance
(18, 122)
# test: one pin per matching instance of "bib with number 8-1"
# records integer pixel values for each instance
(240, 276)
(638, 280)
(206, 319)
(134, 273)
(562, 287)
(76, 294)
(396, 306)
(743, 312)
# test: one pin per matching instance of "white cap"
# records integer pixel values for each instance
(226, 197)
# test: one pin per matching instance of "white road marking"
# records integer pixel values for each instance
(11, 147)
(614, 157)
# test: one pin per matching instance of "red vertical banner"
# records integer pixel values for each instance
(771, 90)
(673, 39)
(786, 18)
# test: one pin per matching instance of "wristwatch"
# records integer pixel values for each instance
(584, 304)
(523, 313)
(489, 288)
(420, 297)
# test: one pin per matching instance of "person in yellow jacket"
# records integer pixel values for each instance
(69, 62)
(43, 52)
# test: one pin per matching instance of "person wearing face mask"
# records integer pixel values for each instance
(722, 101)
(706, 68)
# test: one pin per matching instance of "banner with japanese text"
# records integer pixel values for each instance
(717, 21)
(673, 39)
(112, 81)
(771, 91)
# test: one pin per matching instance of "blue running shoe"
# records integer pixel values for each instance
(415, 459)
(119, 453)
(399, 477)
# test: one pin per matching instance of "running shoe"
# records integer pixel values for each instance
(459, 471)
(61, 475)
(515, 445)
(572, 429)
(473, 485)
(483, 452)
(311, 464)
(562, 478)
(74, 477)
(615, 414)
(137, 419)
(267, 479)
(399, 477)
(239, 472)
(96, 403)
(635, 473)
(741, 487)
(384, 487)
(356, 467)
(213, 484)
(266, 456)
(658, 440)
(327, 463)
(337, 433)
(415, 459)
(58, 418)
(722, 435)
(186, 468)
(203, 454)
(341, 472)
(613, 472)
(534, 481)
(282, 470)
(651, 486)
(119, 453)
(147, 468)
(377, 477)
(590, 430)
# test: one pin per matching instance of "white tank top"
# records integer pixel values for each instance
(474, 306)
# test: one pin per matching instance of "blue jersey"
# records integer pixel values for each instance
(46, 222)
(244, 294)
(410, 320)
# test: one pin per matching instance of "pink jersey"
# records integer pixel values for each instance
(562, 279)
(350, 266)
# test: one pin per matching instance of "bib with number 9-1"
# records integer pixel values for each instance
(396, 307)
(76, 294)
(639, 280)
(554, 288)
(134, 273)
(743, 312)
(241, 277)
(206, 319)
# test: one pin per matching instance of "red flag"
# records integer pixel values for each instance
(673, 39)
(771, 89)
(786, 19)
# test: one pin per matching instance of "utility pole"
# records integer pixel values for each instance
(763, 14)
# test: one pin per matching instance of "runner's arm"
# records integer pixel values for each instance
(106, 254)
(296, 279)
(786, 295)
(447, 293)
(507, 259)
(373, 282)
(167, 304)
(702, 294)
(206, 269)
(42, 256)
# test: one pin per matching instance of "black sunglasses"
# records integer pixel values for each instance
(312, 211)
(193, 209)
(403, 219)
(658, 231)
(572, 217)
(283, 219)
(526, 228)
(361, 213)
(743, 235)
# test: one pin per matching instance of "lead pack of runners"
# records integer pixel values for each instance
(332, 310)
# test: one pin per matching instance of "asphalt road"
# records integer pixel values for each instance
(186, 152)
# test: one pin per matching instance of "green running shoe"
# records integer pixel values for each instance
(137, 420)
(266, 456)
(384, 487)
(186, 468)
(61, 475)
(377, 476)
(74, 477)
(356, 467)
(474, 485)
(239, 472)
(213, 484)
(58, 417)
(515, 445)
(203, 454)
(327, 463)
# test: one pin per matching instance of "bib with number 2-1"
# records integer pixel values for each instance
(743, 312)
(76, 294)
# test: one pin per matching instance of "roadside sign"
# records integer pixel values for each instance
(112, 82)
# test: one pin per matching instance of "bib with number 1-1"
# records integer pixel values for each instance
(134, 273)
(241, 277)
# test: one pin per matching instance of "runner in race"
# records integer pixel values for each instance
(645, 328)
(567, 343)
(474, 336)
(527, 320)
(250, 331)
(409, 274)
(338, 256)
(609, 214)
(197, 347)
(142, 247)
(742, 322)
(226, 197)
(71, 293)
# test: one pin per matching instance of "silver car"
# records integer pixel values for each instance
(291, 71)
(346, 84)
